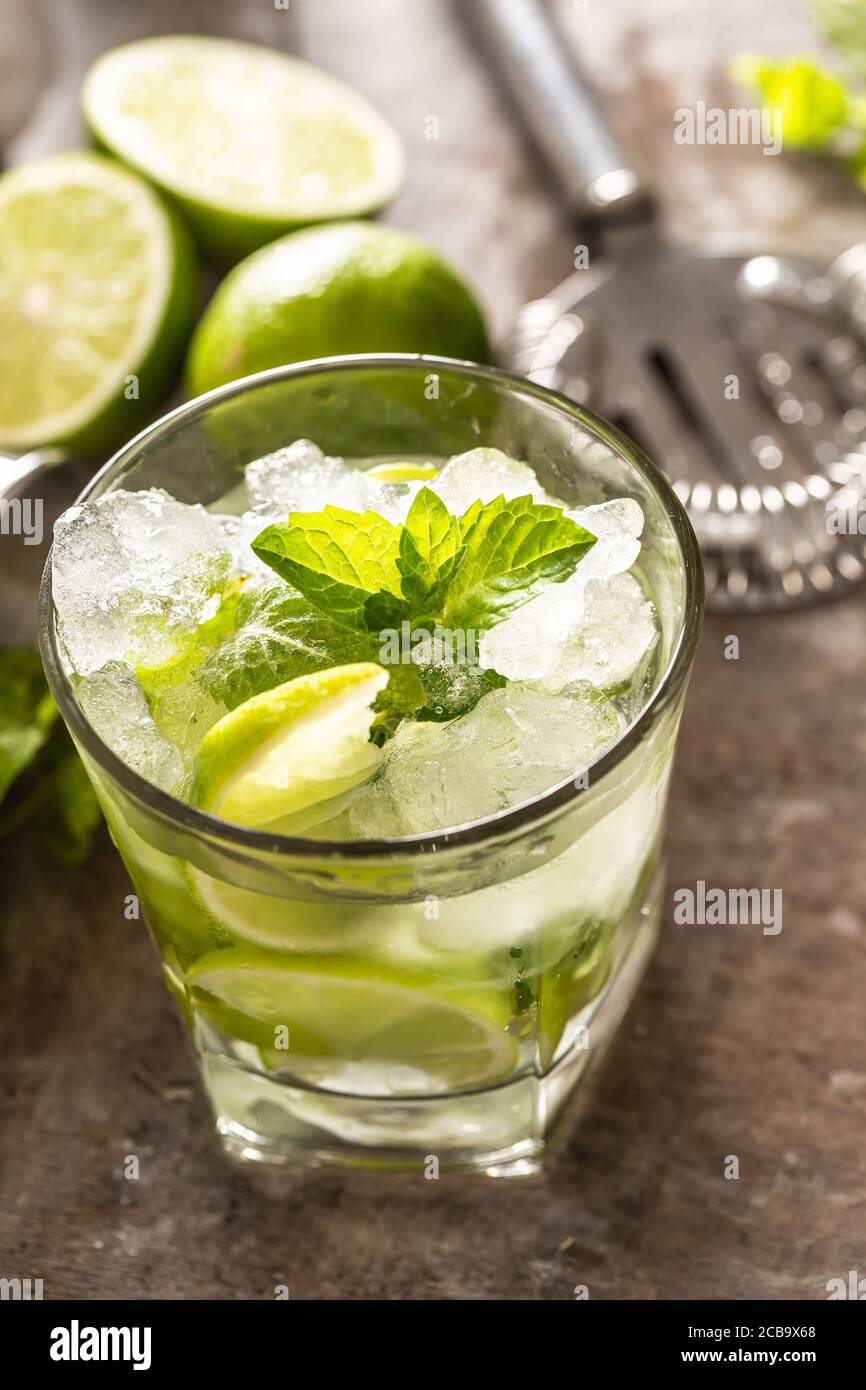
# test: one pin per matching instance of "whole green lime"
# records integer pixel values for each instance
(328, 291)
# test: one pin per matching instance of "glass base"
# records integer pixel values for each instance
(502, 1131)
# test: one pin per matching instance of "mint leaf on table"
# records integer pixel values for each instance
(42, 781)
(815, 104)
(27, 712)
(70, 813)
(822, 111)
(511, 550)
(429, 551)
(344, 562)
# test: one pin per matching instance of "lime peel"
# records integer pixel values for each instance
(288, 748)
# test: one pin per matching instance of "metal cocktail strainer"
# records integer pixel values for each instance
(744, 378)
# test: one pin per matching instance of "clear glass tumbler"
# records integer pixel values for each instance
(433, 999)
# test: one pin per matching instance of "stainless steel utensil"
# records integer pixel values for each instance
(20, 470)
(743, 377)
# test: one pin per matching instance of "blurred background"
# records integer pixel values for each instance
(738, 1043)
(477, 192)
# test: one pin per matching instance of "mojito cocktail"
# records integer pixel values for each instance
(377, 667)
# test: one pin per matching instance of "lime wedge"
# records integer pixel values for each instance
(283, 751)
(250, 142)
(403, 472)
(330, 1009)
(98, 291)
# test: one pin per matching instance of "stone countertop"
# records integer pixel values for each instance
(738, 1043)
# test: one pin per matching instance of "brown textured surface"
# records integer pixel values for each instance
(737, 1044)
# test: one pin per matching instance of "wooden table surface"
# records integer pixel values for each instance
(738, 1043)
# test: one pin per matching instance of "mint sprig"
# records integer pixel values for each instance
(27, 712)
(369, 580)
(367, 574)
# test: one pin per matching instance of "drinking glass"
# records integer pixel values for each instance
(430, 1001)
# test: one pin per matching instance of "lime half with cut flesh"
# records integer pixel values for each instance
(98, 292)
(249, 142)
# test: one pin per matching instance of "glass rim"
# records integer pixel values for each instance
(520, 818)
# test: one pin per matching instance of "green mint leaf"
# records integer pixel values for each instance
(511, 550)
(814, 103)
(71, 812)
(345, 563)
(42, 779)
(27, 712)
(280, 635)
(363, 586)
(429, 551)
(385, 611)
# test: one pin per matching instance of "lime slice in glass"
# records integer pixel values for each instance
(98, 292)
(399, 472)
(250, 142)
(332, 1008)
(281, 752)
(285, 924)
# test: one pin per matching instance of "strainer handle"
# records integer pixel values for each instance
(560, 110)
(17, 470)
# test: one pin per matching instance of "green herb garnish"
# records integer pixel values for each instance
(367, 574)
(42, 780)
(823, 110)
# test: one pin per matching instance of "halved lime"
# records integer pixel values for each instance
(334, 1009)
(98, 292)
(250, 142)
(281, 752)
